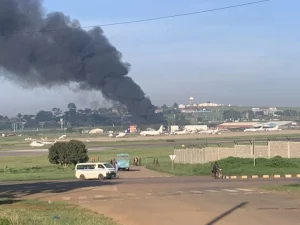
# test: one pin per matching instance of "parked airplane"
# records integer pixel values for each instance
(37, 144)
(41, 143)
(257, 128)
(152, 132)
(62, 137)
(273, 129)
(121, 135)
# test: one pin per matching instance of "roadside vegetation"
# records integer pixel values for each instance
(44, 213)
(233, 166)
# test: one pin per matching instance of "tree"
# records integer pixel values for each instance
(199, 119)
(56, 111)
(290, 113)
(58, 154)
(77, 152)
(44, 116)
(175, 105)
(164, 107)
(66, 153)
(72, 106)
(231, 114)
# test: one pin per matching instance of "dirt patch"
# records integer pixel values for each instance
(140, 172)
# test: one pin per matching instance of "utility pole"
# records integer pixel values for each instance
(253, 150)
(174, 119)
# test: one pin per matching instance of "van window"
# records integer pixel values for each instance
(91, 167)
(101, 166)
(108, 165)
(122, 157)
(86, 167)
(80, 167)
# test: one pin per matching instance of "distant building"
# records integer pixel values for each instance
(266, 111)
(192, 104)
(208, 104)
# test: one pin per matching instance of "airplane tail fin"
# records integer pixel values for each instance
(161, 129)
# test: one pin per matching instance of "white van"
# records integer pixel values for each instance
(97, 170)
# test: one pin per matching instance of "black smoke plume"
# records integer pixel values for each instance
(59, 56)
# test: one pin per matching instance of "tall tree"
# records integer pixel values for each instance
(56, 111)
(44, 116)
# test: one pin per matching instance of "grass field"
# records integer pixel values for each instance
(295, 188)
(233, 166)
(43, 213)
(39, 168)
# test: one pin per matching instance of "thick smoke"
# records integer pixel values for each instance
(60, 56)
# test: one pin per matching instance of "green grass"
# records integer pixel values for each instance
(43, 213)
(39, 168)
(286, 188)
(233, 166)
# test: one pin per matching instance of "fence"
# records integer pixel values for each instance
(285, 149)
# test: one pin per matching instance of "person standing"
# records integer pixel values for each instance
(116, 167)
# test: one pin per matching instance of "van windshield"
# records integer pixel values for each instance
(123, 157)
(108, 165)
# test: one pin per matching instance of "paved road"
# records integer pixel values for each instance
(32, 152)
(169, 200)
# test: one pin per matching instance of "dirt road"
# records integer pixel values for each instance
(147, 198)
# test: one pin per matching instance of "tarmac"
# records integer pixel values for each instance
(143, 197)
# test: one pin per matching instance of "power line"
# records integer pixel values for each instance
(141, 20)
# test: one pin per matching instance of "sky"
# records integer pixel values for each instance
(240, 56)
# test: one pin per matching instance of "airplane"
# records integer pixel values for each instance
(152, 132)
(121, 135)
(37, 144)
(41, 143)
(257, 128)
(62, 137)
(273, 128)
(30, 139)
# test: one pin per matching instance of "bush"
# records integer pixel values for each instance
(279, 162)
(5, 221)
(77, 152)
(66, 153)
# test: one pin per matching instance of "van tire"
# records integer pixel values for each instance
(100, 177)
(82, 177)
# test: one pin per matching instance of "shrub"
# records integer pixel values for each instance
(65, 153)
(5, 221)
(279, 162)
(77, 152)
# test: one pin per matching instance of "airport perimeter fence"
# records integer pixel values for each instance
(202, 153)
